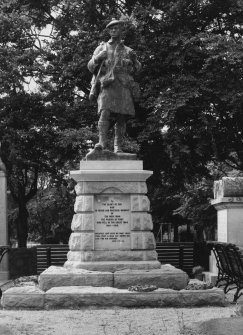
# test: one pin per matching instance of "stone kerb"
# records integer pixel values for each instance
(111, 226)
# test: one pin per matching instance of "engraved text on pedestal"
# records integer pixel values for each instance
(112, 222)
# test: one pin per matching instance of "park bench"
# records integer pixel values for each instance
(229, 261)
(3, 250)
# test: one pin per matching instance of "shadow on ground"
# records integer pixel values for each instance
(5, 330)
(225, 326)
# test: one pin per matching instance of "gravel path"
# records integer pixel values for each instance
(116, 321)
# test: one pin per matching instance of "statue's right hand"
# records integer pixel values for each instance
(102, 55)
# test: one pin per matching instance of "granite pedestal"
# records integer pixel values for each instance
(112, 243)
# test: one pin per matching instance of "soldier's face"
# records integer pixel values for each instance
(115, 30)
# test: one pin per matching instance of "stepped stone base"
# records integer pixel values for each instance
(85, 296)
(166, 277)
(114, 256)
(112, 266)
(26, 297)
(56, 276)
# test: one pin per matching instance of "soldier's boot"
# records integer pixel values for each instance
(103, 127)
(120, 128)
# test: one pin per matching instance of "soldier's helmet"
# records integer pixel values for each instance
(113, 22)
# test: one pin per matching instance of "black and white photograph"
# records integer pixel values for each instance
(121, 167)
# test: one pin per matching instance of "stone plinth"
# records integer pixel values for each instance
(112, 226)
(78, 297)
(228, 202)
(56, 276)
(75, 297)
(26, 297)
(166, 277)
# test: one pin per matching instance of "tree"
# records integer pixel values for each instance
(186, 119)
(31, 130)
(51, 212)
(192, 81)
(194, 101)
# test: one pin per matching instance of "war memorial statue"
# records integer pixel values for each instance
(112, 258)
(113, 65)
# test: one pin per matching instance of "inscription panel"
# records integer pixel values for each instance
(112, 222)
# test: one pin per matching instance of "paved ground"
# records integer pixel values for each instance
(116, 321)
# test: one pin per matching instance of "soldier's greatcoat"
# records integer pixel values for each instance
(115, 77)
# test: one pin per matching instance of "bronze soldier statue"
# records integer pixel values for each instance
(113, 65)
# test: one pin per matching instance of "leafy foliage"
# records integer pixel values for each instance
(190, 114)
(50, 213)
(194, 102)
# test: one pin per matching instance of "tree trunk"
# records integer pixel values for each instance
(22, 225)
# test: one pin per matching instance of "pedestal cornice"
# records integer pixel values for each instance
(227, 202)
(110, 175)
